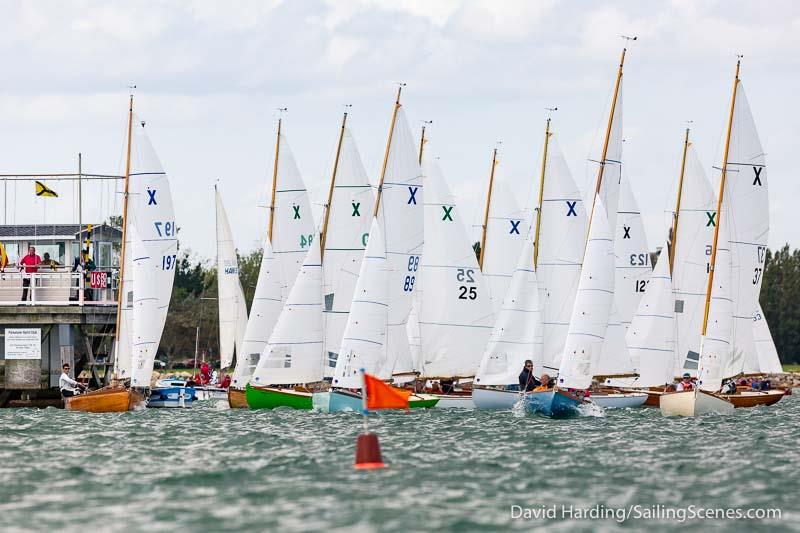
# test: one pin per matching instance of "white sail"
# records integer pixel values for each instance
(364, 340)
(746, 194)
(264, 313)
(768, 361)
(517, 332)
(400, 217)
(651, 335)
(692, 255)
(455, 314)
(587, 326)
(632, 262)
(154, 257)
(506, 228)
(294, 351)
(230, 296)
(346, 236)
(293, 229)
(715, 347)
(562, 239)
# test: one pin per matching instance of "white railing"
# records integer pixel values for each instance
(58, 287)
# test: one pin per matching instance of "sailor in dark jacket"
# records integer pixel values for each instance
(527, 381)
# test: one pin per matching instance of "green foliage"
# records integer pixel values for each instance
(780, 300)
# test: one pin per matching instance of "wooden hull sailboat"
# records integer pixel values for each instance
(754, 398)
(237, 398)
(106, 400)
(693, 403)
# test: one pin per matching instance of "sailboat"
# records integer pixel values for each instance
(148, 259)
(363, 345)
(230, 297)
(587, 325)
(289, 234)
(727, 347)
(455, 310)
(503, 232)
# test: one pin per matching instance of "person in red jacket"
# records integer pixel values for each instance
(31, 265)
(226, 382)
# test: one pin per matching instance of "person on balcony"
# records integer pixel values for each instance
(47, 261)
(31, 264)
(86, 264)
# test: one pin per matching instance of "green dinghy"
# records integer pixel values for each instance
(270, 398)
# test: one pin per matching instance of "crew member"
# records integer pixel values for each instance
(527, 381)
(69, 387)
(686, 383)
(545, 383)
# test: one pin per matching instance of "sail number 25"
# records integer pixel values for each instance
(413, 266)
(466, 275)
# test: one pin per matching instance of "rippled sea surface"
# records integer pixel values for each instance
(209, 468)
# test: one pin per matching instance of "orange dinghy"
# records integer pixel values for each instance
(108, 400)
(237, 398)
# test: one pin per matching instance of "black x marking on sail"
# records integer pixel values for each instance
(412, 192)
(296, 211)
(152, 194)
(571, 208)
(627, 230)
(514, 227)
(757, 179)
(356, 205)
(711, 216)
(447, 211)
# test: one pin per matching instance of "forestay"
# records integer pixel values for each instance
(592, 309)
(651, 335)
(517, 332)
(364, 340)
(346, 236)
(294, 352)
(264, 313)
(455, 314)
(692, 241)
(400, 216)
(746, 194)
(230, 296)
(562, 239)
(154, 254)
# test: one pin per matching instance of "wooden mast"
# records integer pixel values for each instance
(388, 145)
(423, 140)
(719, 200)
(120, 290)
(605, 143)
(324, 232)
(486, 212)
(678, 205)
(274, 178)
(541, 195)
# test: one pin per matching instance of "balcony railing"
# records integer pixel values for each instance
(54, 287)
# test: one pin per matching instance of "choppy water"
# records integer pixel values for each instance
(207, 468)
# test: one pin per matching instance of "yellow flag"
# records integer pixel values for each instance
(3, 257)
(43, 190)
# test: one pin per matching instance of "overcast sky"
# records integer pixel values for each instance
(211, 75)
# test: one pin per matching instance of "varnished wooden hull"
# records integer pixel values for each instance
(237, 398)
(754, 398)
(115, 400)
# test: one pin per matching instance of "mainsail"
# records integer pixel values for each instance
(345, 233)
(153, 234)
(455, 314)
(561, 243)
(230, 296)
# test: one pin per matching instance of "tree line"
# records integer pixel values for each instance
(194, 304)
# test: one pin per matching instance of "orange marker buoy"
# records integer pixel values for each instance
(368, 452)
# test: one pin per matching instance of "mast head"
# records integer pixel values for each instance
(400, 86)
(738, 64)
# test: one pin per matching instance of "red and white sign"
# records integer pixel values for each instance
(98, 280)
